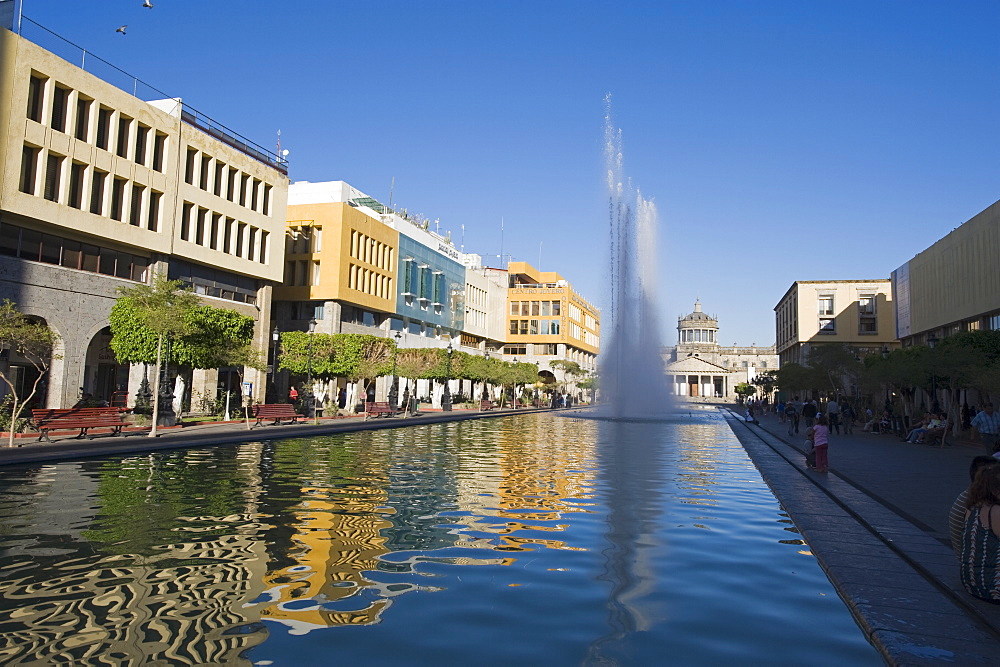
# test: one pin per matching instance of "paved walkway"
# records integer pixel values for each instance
(878, 524)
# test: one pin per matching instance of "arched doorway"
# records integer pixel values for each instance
(103, 376)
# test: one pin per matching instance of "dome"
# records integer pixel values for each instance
(699, 317)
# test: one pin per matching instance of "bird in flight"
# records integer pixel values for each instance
(147, 4)
(121, 29)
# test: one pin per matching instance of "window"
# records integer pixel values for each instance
(244, 183)
(515, 308)
(135, 209)
(513, 327)
(994, 322)
(515, 349)
(141, 139)
(227, 239)
(117, 198)
(153, 216)
(189, 163)
(217, 187)
(53, 176)
(316, 273)
(159, 149)
(253, 194)
(76, 172)
(266, 203)
(866, 304)
(97, 185)
(867, 325)
(199, 229)
(60, 103)
(10, 237)
(827, 325)
(124, 125)
(826, 304)
(206, 162)
(31, 244)
(523, 328)
(36, 94)
(29, 169)
(546, 349)
(82, 131)
(103, 127)
(231, 184)
(213, 240)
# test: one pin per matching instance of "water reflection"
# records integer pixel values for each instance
(444, 539)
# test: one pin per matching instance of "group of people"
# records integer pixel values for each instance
(974, 525)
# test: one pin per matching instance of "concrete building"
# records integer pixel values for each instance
(699, 367)
(100, 189)
(952, 286)
(858, 313)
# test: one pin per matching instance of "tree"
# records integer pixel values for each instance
(414, 363)
(164, 308)
(362, 358)
(571, 370)
(767, 381)
(795, 379)
(837, 368)
(31, 340)
(744, 390)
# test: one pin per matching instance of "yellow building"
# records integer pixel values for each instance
(547, 320)
(858, 313)
(340, 262)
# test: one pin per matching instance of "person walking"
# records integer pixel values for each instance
(847, 416)
(986, 425)
(833, 414)
(809, 411)
(792, 414)
(979, 567)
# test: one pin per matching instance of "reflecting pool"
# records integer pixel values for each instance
(524, 539)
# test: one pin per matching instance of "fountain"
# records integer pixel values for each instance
(633, 382)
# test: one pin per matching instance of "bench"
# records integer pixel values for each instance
(275, 411)
(487, 405)
(937, 434)
(51, 419)
(379, 409)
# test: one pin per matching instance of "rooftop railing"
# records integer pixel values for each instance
(77, 55)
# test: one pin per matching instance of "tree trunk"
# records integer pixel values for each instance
(156, 386)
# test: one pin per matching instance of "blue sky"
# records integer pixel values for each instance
(781, 141)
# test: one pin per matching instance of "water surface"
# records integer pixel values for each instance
(532, 539)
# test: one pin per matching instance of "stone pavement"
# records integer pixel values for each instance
(878, 525)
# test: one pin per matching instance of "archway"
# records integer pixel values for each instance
(103, 376)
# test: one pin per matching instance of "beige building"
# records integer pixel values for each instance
(99, 189)
(699, 367)
(858, 313)
(952, 286)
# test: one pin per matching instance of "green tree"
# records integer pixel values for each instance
(413, 364)
(31, 340)
(767, 381)
(795, 379)
(165, 309)
(571, 371)
(744, 390)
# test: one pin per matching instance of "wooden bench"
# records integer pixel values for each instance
(275, 411)
(51, 419)
(938, 434)
(379, 409)
(487, 405)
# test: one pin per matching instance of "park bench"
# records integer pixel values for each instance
(51, 419)
(487, 405)
(275, 411)
(119, 401)
(937, 435)
(379, 409)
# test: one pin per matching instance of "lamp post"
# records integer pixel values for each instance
(513, 398)
(274, 363)
(932, 342)
(394, 387)
(310, 402)
(486, 395)
(446, 398)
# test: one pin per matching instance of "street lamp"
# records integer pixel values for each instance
(310, 401)
(446, 399)
(513, 398)
(932, 342)
(274, 362)
(486, 395)
(394, 387)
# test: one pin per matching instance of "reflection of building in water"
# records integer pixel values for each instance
(168, 603)
(699, 367)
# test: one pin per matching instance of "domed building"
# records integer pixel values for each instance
(699, 367)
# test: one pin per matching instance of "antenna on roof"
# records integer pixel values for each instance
(277, 151)
(392, 186)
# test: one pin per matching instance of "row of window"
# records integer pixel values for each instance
(302, 272)
(867, 325)
(71, 112)
(304, 240)
(86, 188)
(215, 176)
(866, 304)
(33, 245)
(697, 335)
(536, 308)
(535, 327)
(370, 282)
(218, 232)
(423, 282)
(371, 251)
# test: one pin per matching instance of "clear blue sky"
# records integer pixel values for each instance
(781, 141)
